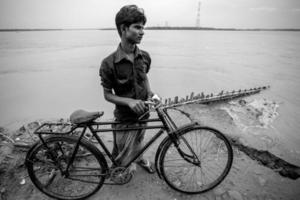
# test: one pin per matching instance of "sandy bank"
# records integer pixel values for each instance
(248, 178)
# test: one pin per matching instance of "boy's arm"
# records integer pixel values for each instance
(151, 95)
(138, 106)
(149, 92)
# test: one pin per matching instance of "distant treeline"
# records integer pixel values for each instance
(35, 29)
(207, 28)
(156, 28)
(45, 29)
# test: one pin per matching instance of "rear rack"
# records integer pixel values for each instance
(55, 128)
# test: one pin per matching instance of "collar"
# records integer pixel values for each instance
(120, 53)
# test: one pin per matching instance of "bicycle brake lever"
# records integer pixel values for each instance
(149, 103)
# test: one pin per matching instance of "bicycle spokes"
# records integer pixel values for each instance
(188, 154)
(199, 161)
(47, 167)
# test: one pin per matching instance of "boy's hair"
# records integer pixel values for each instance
(128, 15)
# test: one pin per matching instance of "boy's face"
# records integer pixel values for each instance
(134, 33)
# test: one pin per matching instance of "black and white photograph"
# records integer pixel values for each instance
(149, 100)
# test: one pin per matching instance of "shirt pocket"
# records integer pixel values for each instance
(124, 79)
(141, 71)
(123, 73)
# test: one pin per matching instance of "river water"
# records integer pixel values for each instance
(49, 74)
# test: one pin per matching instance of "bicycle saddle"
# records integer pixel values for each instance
(82, 116)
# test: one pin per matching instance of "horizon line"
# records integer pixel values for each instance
(153, 28)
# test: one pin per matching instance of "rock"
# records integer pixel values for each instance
(243, 141)
(242, 102)
(218, 198)
(33, 125)
(219, 191)
(2, 129)
(6, 149)
(235, 195)
(225, 196)
(22, 129)
(23, 181)
(89, 135)
(258, 171)
(2, 190)
(4, 138)
(262, 181)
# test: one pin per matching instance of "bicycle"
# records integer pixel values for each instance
(66, 165)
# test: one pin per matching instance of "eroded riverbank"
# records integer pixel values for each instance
(258, 171)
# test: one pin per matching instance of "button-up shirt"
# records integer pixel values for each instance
(126, 78)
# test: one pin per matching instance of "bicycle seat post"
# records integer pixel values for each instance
(76, 149)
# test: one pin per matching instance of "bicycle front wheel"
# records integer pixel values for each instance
(47, 168)
(214, 157)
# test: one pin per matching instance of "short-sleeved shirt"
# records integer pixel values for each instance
(126, 78)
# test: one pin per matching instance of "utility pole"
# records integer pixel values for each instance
(166, 24)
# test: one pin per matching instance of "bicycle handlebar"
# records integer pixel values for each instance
(152, 103)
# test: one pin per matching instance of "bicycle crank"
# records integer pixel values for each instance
(120, 175)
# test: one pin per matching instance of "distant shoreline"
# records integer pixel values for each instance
(155, 28)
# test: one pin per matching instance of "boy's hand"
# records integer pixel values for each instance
(138, 106)
(156, 98)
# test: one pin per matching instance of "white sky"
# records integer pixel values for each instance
(101, 13)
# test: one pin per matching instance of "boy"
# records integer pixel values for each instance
(125, 84)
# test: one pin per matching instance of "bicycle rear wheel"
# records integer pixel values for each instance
(213, 152)
(46, 165)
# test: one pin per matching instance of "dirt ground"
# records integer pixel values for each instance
(247, 179)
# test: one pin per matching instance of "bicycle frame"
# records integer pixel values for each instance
(167, 125)
(65, 153)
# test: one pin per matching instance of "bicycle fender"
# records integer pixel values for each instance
(31, 149)
(185, 127)
(29, 152)
(165, 140)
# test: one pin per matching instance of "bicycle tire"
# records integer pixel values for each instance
(86, 174)
(175, 169)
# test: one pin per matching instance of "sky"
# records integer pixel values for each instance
(101, 13)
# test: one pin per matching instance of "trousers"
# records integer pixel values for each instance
(127, 143)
